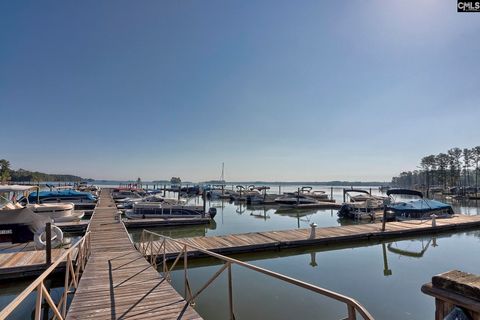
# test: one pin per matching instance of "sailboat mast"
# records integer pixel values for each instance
(222, 178)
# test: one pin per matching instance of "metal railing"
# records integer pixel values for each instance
(73, 271)
(153, 250)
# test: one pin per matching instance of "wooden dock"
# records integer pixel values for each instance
(26, 263)
(118, 283)
(352, 234)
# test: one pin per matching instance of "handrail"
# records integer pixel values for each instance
(83, 253)
(352, 305)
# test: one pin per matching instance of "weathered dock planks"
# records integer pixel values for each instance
(26, 263)
(259, 241)
(118, 283)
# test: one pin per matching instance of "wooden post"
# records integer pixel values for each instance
(331, 193)
(230, 292)
(164, 190)
(344, 196)
(386, 270)
(48, 246)
(384, 220)
(298, 196)
(279, 190)
(204, 204)
(38, 302)
(454, 289)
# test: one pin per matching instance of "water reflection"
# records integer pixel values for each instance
(239, 217)
(389, 271)
(9, 289)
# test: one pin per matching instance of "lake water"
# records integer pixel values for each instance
(384, 277)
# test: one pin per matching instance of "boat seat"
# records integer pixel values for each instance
(9, 206)
(18, 205)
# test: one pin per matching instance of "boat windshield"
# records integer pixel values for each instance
(13, 193)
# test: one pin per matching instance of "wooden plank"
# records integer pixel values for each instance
(235, 243)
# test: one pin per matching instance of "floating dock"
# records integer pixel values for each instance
(118, 283)
(26, 263)
(352, 234)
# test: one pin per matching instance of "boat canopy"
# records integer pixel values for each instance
(15, 188)
(60, 193)
(405, 191)
(355, 190)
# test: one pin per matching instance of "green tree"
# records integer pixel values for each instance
(428, 164)
(455, 154)
(442, 164)
(476, 160)
(4, 170)
(467, 162)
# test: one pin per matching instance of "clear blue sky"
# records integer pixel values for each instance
(278, 90)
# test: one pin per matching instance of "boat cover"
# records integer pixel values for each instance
(32, 197)
(419, 205)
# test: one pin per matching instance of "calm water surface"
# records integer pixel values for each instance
(384, 277)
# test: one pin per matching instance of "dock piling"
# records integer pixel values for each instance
(48, 246)
(313, 225)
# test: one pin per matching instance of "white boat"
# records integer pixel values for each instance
(128, 203)
(21, 222)
(361, 206)
(315, 194)
(146, 210)
(58, 211)
(295, 199)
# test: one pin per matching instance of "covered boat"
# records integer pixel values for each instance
(80, 199)
(416, 209)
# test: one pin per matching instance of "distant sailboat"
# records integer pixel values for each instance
(222, 177)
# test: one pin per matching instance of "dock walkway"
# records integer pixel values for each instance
(118, 283)
(272, 240)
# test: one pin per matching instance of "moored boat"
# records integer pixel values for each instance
(19, 224)
(416, 209)
(293, 199)
(145, 210)
(81, 200)
(58, 211)
(361, 205)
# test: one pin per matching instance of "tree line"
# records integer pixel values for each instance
(455, 168)
(21, 175)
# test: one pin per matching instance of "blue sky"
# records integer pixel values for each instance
(278, 90)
